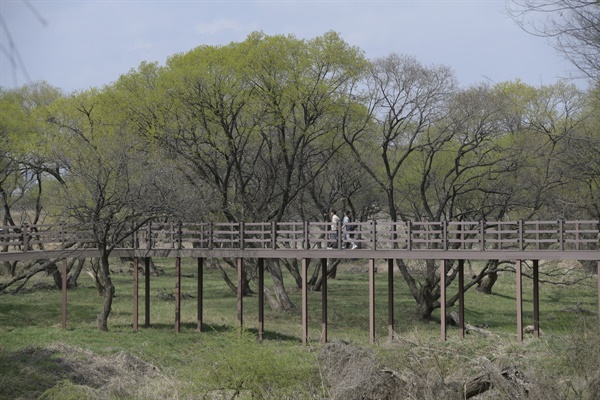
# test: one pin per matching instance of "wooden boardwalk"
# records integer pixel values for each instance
(473, 240)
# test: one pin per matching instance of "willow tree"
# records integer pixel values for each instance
(255, 122)
(109, 181)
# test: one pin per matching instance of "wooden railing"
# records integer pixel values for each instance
(371, 235)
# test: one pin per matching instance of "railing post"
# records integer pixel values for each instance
(445, 234)
(338, 229)
(149, 236)
(409, 234)
(62, 234)
(172, 235)
(521, 236)
(179, 235)
(482, 235)
(211, 240)
(241, 228)
(273, 235)
(306, 236)
(25, 233)
(374, 235)
(561, 234)
(577, 237)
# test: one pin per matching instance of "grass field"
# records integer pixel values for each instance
(38, 359)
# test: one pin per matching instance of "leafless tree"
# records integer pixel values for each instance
(573, 27)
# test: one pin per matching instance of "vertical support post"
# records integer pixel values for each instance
(324, 302)
(443, 299)
(240, 294)
(304, 301)
(390, 300)
(147, 291)
(372, 300)
(598, 279)
(261, 298)
(461, 299)
(64, 294)
(136, 288)
(177, 294)
(518, 268)
(536, 299)
(200, 294)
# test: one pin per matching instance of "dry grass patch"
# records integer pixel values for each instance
(61, 371)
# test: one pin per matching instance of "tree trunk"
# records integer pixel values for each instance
(315, 275)
(589, 265)
(279, 299)
(331, 270)
(72, 279)
(425, 304)
(487, 283)
(108, 293)
(424, 293)
(224, 275)
(292, 266)
(11, 267)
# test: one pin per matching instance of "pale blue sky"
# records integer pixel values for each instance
(90, 43)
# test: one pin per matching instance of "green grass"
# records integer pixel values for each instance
(193, 364)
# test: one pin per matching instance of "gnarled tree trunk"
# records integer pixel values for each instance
(277, 297)
(108, 292)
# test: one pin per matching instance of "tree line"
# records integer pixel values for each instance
(277, 128)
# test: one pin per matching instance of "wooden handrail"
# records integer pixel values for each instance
(579, 235)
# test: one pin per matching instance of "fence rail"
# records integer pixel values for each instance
(371, 235)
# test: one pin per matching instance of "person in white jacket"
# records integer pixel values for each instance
(333, 237)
